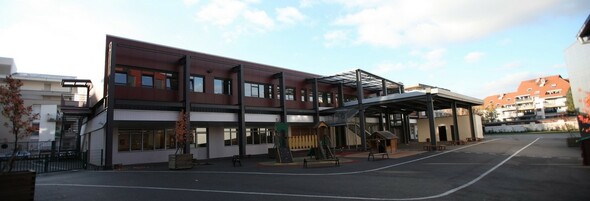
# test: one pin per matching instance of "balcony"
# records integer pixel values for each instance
(524, 100)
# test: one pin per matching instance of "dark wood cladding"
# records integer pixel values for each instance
(136, 54)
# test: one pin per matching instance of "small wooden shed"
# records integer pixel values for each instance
(383, 141)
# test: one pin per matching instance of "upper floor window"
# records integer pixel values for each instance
(171, 81)
(321, 97)
(290, 93)
(121, 78)
(303, 94)
(147, 81)
(257, 90)
(197, 84)
(328, 97)
(222, 86)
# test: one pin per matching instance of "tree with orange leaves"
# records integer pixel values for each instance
(584, 118)
(19, 117)
(181, 131)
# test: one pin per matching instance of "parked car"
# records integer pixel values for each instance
(19, 155)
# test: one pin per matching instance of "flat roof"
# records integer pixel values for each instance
(410, 102)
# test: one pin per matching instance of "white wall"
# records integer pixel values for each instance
(532, 126)
(464, 127)
(47, 127)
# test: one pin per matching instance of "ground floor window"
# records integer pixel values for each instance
(230, 136)
(198, 137)
(253, 136)
(258, 136)
(145, 140)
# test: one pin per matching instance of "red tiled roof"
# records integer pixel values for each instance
(544, 87)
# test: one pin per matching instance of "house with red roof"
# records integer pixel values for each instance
(539, 98)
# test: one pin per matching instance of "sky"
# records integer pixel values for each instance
(474, 47)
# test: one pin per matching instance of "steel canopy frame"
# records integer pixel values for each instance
(370, 82)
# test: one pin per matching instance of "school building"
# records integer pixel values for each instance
(234, 106)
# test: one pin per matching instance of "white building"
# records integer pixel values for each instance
(44, 93)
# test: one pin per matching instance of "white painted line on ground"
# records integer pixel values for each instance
(313, 196)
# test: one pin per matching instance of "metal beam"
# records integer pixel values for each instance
(471, 121)
(360, 97)
(456, 125)
(242, 111)
(110, 124)
(185, 99)
(430, 113)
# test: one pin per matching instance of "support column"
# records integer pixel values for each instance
(341, 130)
(282, 98)
(110, 87)
(455, 124)
(360, 97)
(430, 113)
(388, 120)
(406, 122)
(382, 114)
(185, 99)
(471, 122)
(242, 111)
(316, 108)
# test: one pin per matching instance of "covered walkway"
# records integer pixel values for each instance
(391, 99)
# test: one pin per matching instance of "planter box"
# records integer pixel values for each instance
(18, 185)
(180, 161)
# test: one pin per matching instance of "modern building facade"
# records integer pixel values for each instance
(539, 98)
(235, 106)
(44, 93)
(578, 63)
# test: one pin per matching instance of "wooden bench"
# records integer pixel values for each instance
(372, 155)
(306, 162)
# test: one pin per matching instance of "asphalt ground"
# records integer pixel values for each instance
(515, 167)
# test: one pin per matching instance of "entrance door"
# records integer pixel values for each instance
(442, 133)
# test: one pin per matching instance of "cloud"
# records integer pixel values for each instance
(235, 18)
(473, 57)
(559, 66)
(190, 2)
(289, 15)
(423, 61)
(222, 12)
(435, 23)
(386, 67)
(512, 64)
(260, 19)
(335, 38)
(504, 42)
(432, 59)
(507, 83)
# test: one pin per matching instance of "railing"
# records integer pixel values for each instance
(45, 163)
(356, 129)
(523, 100)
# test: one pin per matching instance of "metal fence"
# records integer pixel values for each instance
(44, 163)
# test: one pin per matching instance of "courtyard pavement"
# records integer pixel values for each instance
(514, 167)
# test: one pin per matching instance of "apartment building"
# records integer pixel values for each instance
(539, 98)
(44, 93)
